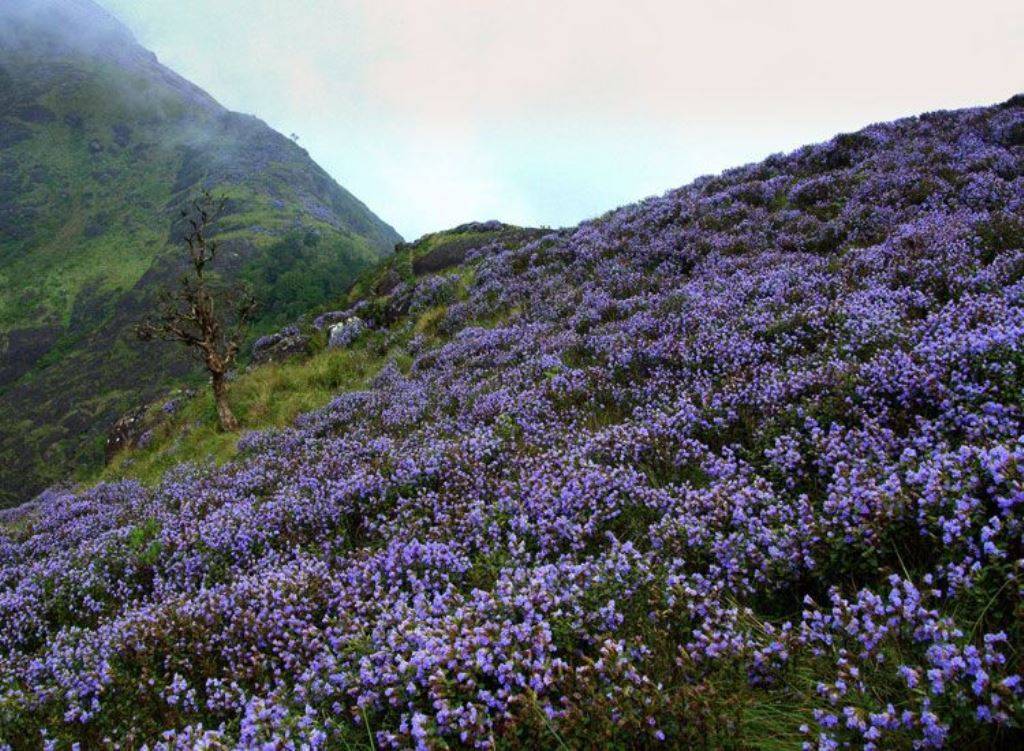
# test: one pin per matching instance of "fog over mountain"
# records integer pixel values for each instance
(100, 146)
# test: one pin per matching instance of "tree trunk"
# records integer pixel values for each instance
(228, 423)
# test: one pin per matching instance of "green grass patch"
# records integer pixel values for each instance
(270, 396)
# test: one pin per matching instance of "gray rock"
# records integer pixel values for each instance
(326, 320)
(277, 347)
(346, 332)
(127, 431)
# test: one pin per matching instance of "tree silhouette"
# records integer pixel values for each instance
(207, 317)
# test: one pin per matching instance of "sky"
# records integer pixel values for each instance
(549, 112)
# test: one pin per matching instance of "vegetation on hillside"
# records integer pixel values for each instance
(100, 145)
(275, 394)
(735, 467)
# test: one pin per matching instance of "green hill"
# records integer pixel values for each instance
(404, 300)
(100, 145)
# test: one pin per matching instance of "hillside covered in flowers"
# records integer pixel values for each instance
(737, 467)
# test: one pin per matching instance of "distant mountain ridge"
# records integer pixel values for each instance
(100, 145)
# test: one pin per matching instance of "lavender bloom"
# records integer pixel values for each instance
(758, 439)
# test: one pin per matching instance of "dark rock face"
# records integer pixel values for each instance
(451, 251)
(441, 258)
(126, 432)
(388, 283)
(285, 344)
(134, 429)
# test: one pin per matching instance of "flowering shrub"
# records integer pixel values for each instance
(746, 462)
(434, 290)
(344, 334)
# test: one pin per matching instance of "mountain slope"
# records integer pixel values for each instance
(737, 467)
(100, 146)
(403, 300)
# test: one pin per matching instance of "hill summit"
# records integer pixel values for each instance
(100, 146)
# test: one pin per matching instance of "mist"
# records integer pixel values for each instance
(441, 111)
(78, 26)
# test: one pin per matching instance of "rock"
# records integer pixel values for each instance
(278, 347)
(343, 334)
(326, 320)
(441, 258)
(136, 428)
(126, 432)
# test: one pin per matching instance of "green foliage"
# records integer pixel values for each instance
(298, 272)
(89, 192)
(143, 544)
(269, 396)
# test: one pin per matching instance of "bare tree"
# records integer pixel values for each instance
(209, 318)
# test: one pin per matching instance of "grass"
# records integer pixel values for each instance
(270, 396)
(91, 232)
(273, 395)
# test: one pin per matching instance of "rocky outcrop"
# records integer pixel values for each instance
(326, 320)
(287, 343)
(134, 429)
(346, 332)
(126, 432)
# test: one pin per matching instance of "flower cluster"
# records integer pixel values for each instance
(752, 445)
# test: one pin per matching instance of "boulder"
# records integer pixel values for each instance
(277, 347)
(126, 432)
(346, 332)
(326, 320)
(136, 428)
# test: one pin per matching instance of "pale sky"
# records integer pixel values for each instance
(547, 112)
